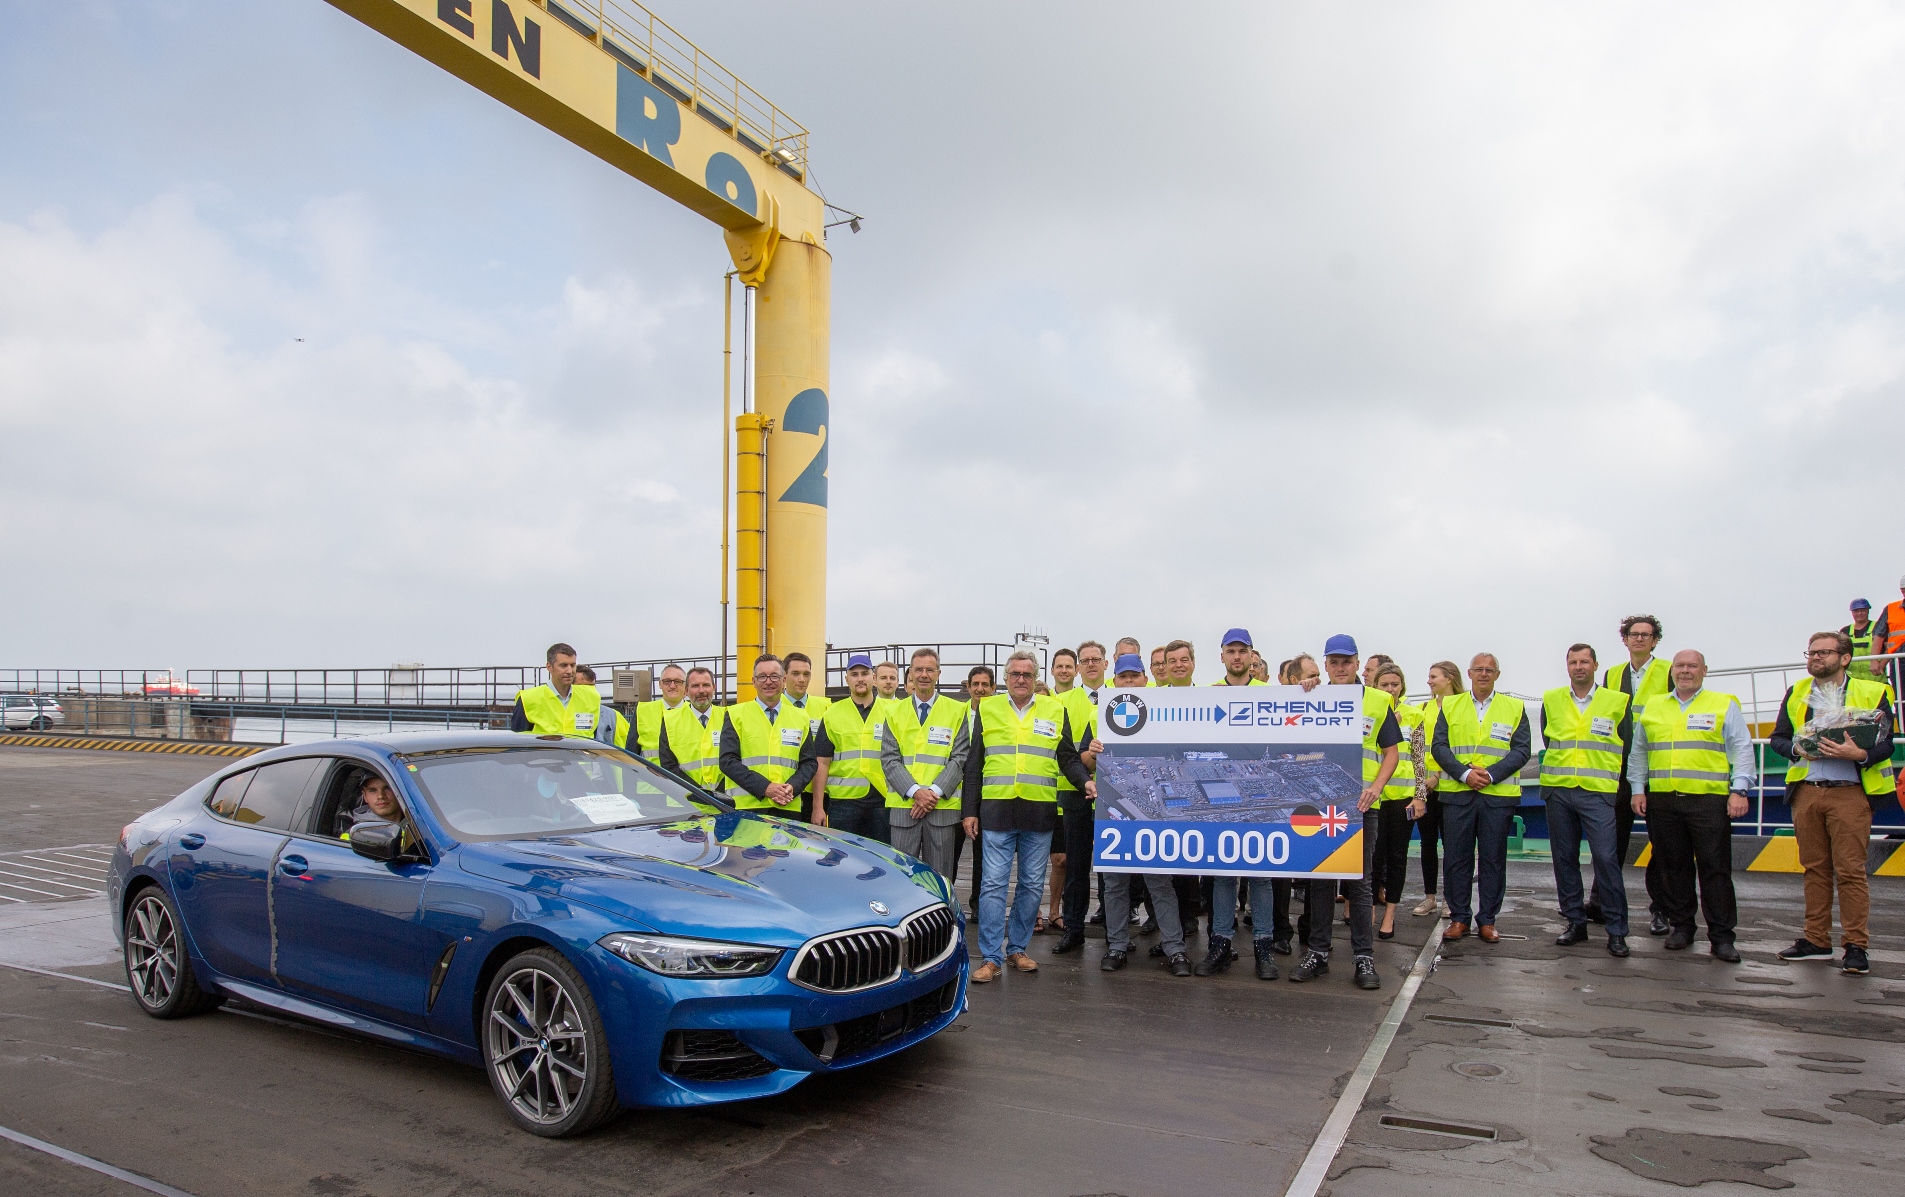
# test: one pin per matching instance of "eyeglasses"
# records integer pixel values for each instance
(1640, 635)
(1020, 675)
(1091, 660)
(1827, 652)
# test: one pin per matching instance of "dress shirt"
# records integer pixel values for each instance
(748, 779)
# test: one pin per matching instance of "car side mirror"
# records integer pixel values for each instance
(378, 841)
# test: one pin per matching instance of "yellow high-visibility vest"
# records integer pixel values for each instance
(1859, 695)
(549, 715)
(1021, 758)
(1582, 746)
(1480, 747)
(926, 749)
(1686, 749)
(697, 749)
(770, 749)
(855, 769)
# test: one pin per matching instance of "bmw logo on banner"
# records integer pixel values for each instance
(1126, 714)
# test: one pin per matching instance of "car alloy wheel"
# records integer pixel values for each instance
(157, 969)
(545, 1047)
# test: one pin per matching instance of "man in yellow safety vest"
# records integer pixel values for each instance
(923, 758)
(1691, 767)
(649, 715)
(1833, 789)
(767, 747)
(1640, 677)
(559, 706)
(691, 733)
(849, 794)
(1585, 729)
(1481, 742)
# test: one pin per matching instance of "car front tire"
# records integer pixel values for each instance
(545, 1048)
(158, 968)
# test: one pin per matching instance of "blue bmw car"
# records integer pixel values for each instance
(592, 931)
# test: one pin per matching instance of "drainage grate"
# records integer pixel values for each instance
(1458, 1020)
(1431, 1126)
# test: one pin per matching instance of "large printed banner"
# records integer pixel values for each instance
(1259, 781)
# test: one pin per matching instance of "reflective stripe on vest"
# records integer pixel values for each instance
(1684, 759)
(1573, 754)
(1021, 759)
(648, 717)
(923, 759)
(697, 749)
(1402, 783)
(549, 716)
(762, 749)
(855, 769)
(1859, 695)
(1479, 747)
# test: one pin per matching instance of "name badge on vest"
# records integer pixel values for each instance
(877, 731)
(813, 725)
(1500, 731)
(584, 721)
(1601, 725)
(940, 736)
(1369, 725)
(1044, 727)
(1702, 722)
(791, 737)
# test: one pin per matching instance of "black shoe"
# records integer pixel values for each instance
(1855, 964)
(1180, 965)
(1112, 962)
(1576, 933)
(1190, 930)
(1678, 939)
(1217, 959)
(1314, 965)
(1592, 912)
(1366, 977)
(1157, 951)
(1805, 949)
(1266, 962)
(1617, 945)
(1726, 952)
(1071, 941)
(1096, 920)
(1659, 925)
(1150, 926)
(1281, 946)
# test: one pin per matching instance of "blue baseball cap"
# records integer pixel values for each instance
(859, 661)
(1340, 646)
(1861, 604)
(1236, 636)
(1129, 663)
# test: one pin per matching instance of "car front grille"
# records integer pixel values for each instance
(841, 1042)
(850, 960)
(928, 935)
(711, 1056)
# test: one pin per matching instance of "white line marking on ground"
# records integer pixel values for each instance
(47, 972)
(86, 1161)
(1316, 1165)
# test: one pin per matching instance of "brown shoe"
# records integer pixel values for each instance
(986, 971)
(1456, 931)
(1487, 933)
(1022, 962)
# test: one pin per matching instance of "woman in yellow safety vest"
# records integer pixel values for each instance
(1401, 802)
(1445, 678)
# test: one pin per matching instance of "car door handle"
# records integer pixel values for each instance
(191, 840)
(293, 866)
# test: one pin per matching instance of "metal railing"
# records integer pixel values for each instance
(955, 660)
(139, 718)
(644, 43)
(88, 681)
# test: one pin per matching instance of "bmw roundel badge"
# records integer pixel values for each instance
(877, 907)
(1126, 714)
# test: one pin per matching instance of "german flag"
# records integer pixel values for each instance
(1306, 820)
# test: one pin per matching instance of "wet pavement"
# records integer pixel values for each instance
(1610, 1077)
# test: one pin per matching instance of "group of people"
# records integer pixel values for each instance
(1010, 774)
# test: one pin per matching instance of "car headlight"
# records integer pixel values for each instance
(675, 957)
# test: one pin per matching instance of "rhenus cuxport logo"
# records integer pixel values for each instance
(1126, 714)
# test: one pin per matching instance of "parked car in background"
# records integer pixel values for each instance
(30, 712)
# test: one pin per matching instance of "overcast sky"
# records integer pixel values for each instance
(1455, 327)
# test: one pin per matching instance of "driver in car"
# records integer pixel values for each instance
(376, 803)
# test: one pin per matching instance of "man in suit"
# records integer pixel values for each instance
(1481, 742)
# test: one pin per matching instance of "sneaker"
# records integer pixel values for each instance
(1366, 977)
(1805, 949)
(1426, 906)
(1314, 965)
(1266, 961)
(1112, 962)
(1180, 965)
(1855, 963)
(1217, 959)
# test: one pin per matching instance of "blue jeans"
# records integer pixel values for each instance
(1572, 813)
(1263, 903)
(1034, 850)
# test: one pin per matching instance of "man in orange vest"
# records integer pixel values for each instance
(1890, 637)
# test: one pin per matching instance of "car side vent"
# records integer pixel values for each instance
(928, 935)
(850, 960)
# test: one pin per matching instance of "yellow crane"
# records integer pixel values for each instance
(617, 80)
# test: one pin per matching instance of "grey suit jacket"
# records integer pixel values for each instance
(899, 779)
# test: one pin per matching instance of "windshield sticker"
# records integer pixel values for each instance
(607, 808)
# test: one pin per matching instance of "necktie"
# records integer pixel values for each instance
(772, 712)
(923, 708)
(704, 718)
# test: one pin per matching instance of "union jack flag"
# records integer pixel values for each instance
(1335, 822)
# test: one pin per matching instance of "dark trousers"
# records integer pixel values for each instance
(1280, 888)
(1574, 813)
(1692, 837)
(1190, 901)
(1390, 871)
(861, 816)
(1470, 828)
(1075, 823)
(1319, 910)
(978, 865)
(1430, 828)
(1623, 836)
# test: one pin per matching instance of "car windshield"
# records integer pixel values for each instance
(526, 793)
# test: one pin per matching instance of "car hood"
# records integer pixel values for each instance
(735, 875)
